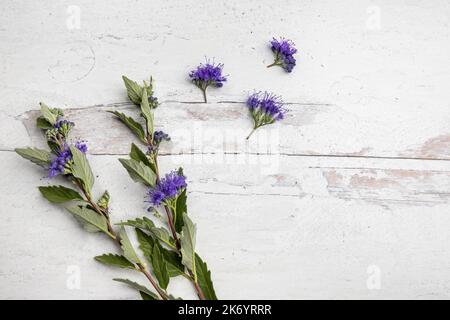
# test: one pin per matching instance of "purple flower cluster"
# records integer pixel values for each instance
(158, 137)
(61, 123)
(265, 108)
(284, 51)
(59, 164)
(167, 188)
(206, 75)
(266, 104)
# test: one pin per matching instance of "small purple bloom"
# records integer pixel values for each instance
(60, 162)
(62, 123)
(265, 108)
(284, 51)
(206, 75)
(158, 137)
(168, 188)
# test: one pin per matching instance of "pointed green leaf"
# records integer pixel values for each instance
(187, 242)
(103, 202)
(138, 155)
(134, 90)
(140, 288)
(59, 194)
(144, 223)
(160, 267)
(48, 114)
(146, 296)
(181, 209)
(42, 123)
(127, 247)
(146, 244)
(146, 111)
(115, 260)
(81, 168)
(37, 156)
(139, 172)
(163, 235)
(173, 261)
(204, 278)
(86, 215)
(132, 124)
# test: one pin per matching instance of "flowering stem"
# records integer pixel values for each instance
(204, 95)
(251, 132)
(273, 64)
(171, 224)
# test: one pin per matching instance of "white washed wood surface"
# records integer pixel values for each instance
(356, 179)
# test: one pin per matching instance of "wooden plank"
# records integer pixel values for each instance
(325, 221)
(221, 128)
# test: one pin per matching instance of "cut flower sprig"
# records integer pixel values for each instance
(284, 51)
(208, 74)
(69, 160)
(265, 108)
(171, 247)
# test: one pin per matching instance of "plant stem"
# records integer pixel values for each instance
(169, 213)
(116, 237)
(204, 95)
(251, 132)
(163, 295)
(273, 64)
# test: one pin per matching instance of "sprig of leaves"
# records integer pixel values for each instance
(170, 249)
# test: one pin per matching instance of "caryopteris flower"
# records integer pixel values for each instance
(206, 75)
(61, 163)
(265, 108)
(284, 51)
(168, 188)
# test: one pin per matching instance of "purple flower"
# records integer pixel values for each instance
(60, 162)
(206, 75)
(61, 123)
(265, 108)
(284, 51)
(158, 137)
(168, 188)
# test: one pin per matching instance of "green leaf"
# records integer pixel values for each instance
(163, 235)
(81, 168)
(48, 114)
(173, 261)
(132, 124)
(187, 241)
(145, 296)
(160, 267)
(142, 290)
(37, 156)
(139, 172)
(42, 123)
(138, 155)
(174, 266)
(115, 260)
(127, 247)
(146, 111)
(181, 210)
(90, 217)
(59, 194)
(144, 223)
(103, 202)
(204, 278)
(146, 243)
(134, 90)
